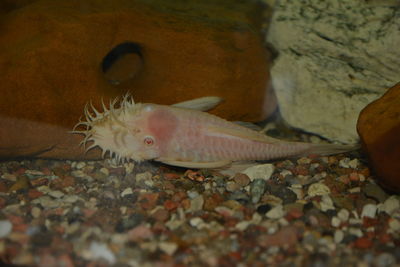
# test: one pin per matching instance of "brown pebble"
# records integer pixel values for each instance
(241, 179)
(21, 183)
(39, 181)
(161, 215)
(363, 243)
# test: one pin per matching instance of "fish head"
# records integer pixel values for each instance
(122, 132)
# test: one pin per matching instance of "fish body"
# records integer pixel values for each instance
(180, 136)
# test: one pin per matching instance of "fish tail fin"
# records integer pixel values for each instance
(331, 149)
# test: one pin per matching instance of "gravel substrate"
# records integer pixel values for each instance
(323, 211)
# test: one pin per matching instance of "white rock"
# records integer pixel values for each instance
(35, 211)
(56, 194)
(353, 163)
(5, 228)
(196, 221)
(390, 205)
(263, 171)
(129, 167)
(369, 210)
(70, 198)
(196, 203)
(335, 57)
(276, 212)
(335, 222)
(344, 163)
(127, 191)
(338, 236)
(80, 165)
(100, 251)
(343, 215)
(105, 171)
(318, 189)
(143, 176)
(394, 225)
(241, 226)
(168, 247)
(356, 232)
(326, 203)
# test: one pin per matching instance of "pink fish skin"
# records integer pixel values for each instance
(185, 137)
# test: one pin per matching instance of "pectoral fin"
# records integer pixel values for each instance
(242, 133)
(202, 103)
(196, 165)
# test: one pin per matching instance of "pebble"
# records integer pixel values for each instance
(276, 212)
(80, 165)
(338, 236)
(282, 192)
(144, 176)
(343, 215)
(196, 203)
(35, 212)
(241, 179)
(5, 228)
(374, 191)
(99, 251)
(394, 225)
(390, 205)
(318, 189)
(335, 222)
(326, 203)
(369, 210)
(56, 194)
(257, 189)
(126, 192)
(263, 171)
(168, 247)
(344, 163)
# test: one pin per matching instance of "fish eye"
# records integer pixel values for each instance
(148, 141)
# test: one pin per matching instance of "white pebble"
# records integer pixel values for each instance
(35, 211)
(369, 210)
(5, 228)
(356, 232)
(344, 163)
(394, 225)
(80, 165)
(196, 221)
(390, 205)
(276, 212)
(263, 171)
(343, 215)
(241, 226)
(168, 247)
(71, 198)
(127, 191)
(338, 236)
(326, 203)
(143, 176)
(353, 163)
(129, 167)
(101, 251)
(56, 194)
(285, 173)
(318, 189)
(105, 171)
(335, 222)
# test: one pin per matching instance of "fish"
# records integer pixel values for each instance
(184, 135)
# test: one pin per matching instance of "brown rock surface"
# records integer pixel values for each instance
(51, 52)
(379, 129)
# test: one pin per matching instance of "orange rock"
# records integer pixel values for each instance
(51, 55)
(379, 129)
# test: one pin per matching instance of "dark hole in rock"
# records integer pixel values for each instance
(122, 63)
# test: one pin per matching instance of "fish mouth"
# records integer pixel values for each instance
(106, 129)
